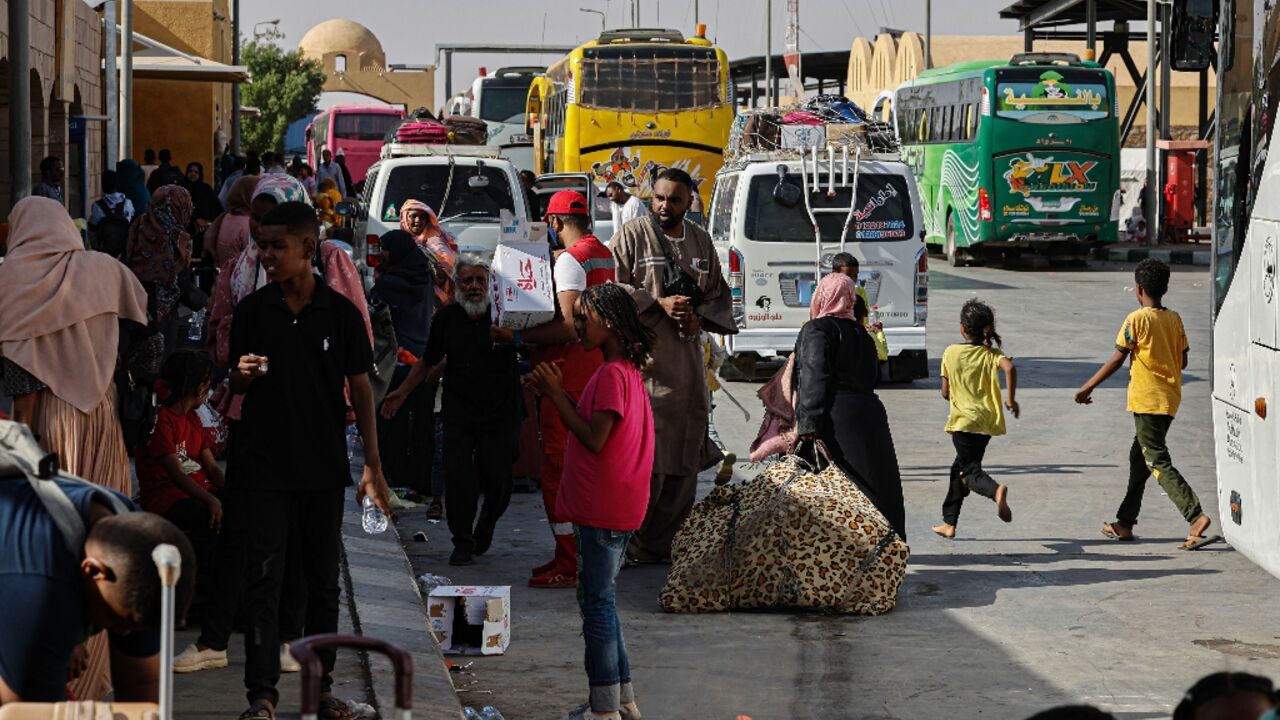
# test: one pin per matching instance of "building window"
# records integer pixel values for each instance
(340, 64)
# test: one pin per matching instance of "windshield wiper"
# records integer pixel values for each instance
(484, 214)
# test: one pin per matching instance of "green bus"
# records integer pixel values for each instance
(1013, 157)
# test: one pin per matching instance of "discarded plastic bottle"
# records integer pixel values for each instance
(195, 326)
(470, 713)
(353, 438)
(489, 712)
(374, 521)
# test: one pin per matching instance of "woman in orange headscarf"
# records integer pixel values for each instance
(59, 337)
(420, 221)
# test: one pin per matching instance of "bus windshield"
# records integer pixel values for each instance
(884, 214)
(429, 183)
(1055, 95)
(650, 79)
(503, 104)
(363, 126)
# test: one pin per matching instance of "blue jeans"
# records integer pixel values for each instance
(600, 556)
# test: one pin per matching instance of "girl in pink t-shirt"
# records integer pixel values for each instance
(605, 487)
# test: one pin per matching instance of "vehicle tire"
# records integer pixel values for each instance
(954, 258)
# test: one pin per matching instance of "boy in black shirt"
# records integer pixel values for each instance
(296, 342)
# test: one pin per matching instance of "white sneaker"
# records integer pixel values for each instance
(584, 712)
(287, 663)
(193, 659)
(629, 711)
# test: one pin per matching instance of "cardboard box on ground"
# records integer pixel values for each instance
(471, 619)
(522, 292)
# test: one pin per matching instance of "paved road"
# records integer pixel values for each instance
(1004, 621)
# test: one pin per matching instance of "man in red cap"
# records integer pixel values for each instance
(584, 262)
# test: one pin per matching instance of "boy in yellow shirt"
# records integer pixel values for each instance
(1153, 338)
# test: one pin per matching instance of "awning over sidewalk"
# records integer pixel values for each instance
(153, 60)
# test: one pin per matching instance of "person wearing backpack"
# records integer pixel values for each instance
(76, 559)
(109, 218)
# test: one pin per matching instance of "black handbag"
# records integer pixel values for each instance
(675, 281)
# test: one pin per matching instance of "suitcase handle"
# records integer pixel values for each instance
(304, 651)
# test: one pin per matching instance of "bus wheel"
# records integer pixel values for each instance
(954, 258)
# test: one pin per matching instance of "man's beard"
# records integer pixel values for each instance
(672, 222)
(474, 308)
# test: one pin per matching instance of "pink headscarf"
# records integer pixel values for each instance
(834, 297)
(59, 316)
(435, 239)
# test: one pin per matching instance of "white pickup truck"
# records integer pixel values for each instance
(467, 186)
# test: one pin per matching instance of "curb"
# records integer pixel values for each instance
(386, 603)
(1172, 257)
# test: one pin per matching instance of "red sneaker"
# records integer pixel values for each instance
(544, 568)
(554, 580)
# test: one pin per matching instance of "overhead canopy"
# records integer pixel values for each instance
(153, 60)
(1047, 13)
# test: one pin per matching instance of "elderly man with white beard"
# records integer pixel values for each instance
(482, 409)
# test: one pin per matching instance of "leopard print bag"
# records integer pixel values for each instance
(792, 537)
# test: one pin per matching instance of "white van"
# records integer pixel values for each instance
(764, 235)
(479, 185)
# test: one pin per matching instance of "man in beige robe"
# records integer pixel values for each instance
(675, 377)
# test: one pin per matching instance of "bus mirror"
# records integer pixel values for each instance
(784, 193)
(922, 234)
(1194, 22)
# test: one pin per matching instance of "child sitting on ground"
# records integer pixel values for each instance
(605, 487)
(971, 383)
(178, 476)
(1156, 343)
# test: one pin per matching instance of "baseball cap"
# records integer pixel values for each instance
(567, 202)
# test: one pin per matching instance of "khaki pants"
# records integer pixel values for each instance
(670, 502)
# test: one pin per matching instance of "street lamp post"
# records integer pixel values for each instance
(595, 12)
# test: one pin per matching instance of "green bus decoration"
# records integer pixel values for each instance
(1036, 171)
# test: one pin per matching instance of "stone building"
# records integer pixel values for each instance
(66, 82)
(354, 62)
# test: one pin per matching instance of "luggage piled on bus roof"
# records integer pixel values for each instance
(820, 122)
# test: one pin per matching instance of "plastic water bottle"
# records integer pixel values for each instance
(195, 326)
(374, 521)
(353, 439)
(874, 316)
(489, 712)
(470, 713)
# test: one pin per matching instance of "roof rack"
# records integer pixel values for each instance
(763, 132)
(391, 151)
(1045, 58)
(640, 35)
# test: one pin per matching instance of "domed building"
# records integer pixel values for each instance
(354, 62)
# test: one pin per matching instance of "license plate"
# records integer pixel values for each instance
(804, 291)
(516, 139)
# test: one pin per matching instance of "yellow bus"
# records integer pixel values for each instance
(632, 103)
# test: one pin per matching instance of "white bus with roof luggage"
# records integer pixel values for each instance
(778, 216)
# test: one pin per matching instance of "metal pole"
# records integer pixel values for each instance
(20, 98)
(1152, 193)
(235, 88)
(448, 74)
(112, 28)
(695, 13)
(768, 53)
(126, 78)
(928, 34)
(1091, 29)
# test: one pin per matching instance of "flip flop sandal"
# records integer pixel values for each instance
(1109, 529)
(334, 709)
(1195, 542)
(258, 711)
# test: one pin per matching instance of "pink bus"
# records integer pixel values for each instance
(357, 130)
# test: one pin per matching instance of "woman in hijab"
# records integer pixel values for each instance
(204, 201)
(405, 284)
(159, 252)
(59, 338)
(132, 181)
(227, 237)
(420, 221)
(836, 369)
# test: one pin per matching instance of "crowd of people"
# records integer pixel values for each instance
(285, 371)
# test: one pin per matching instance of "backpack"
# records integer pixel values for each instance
(21, 457)
(112, 235)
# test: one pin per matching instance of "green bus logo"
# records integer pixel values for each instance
(1044, 174)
